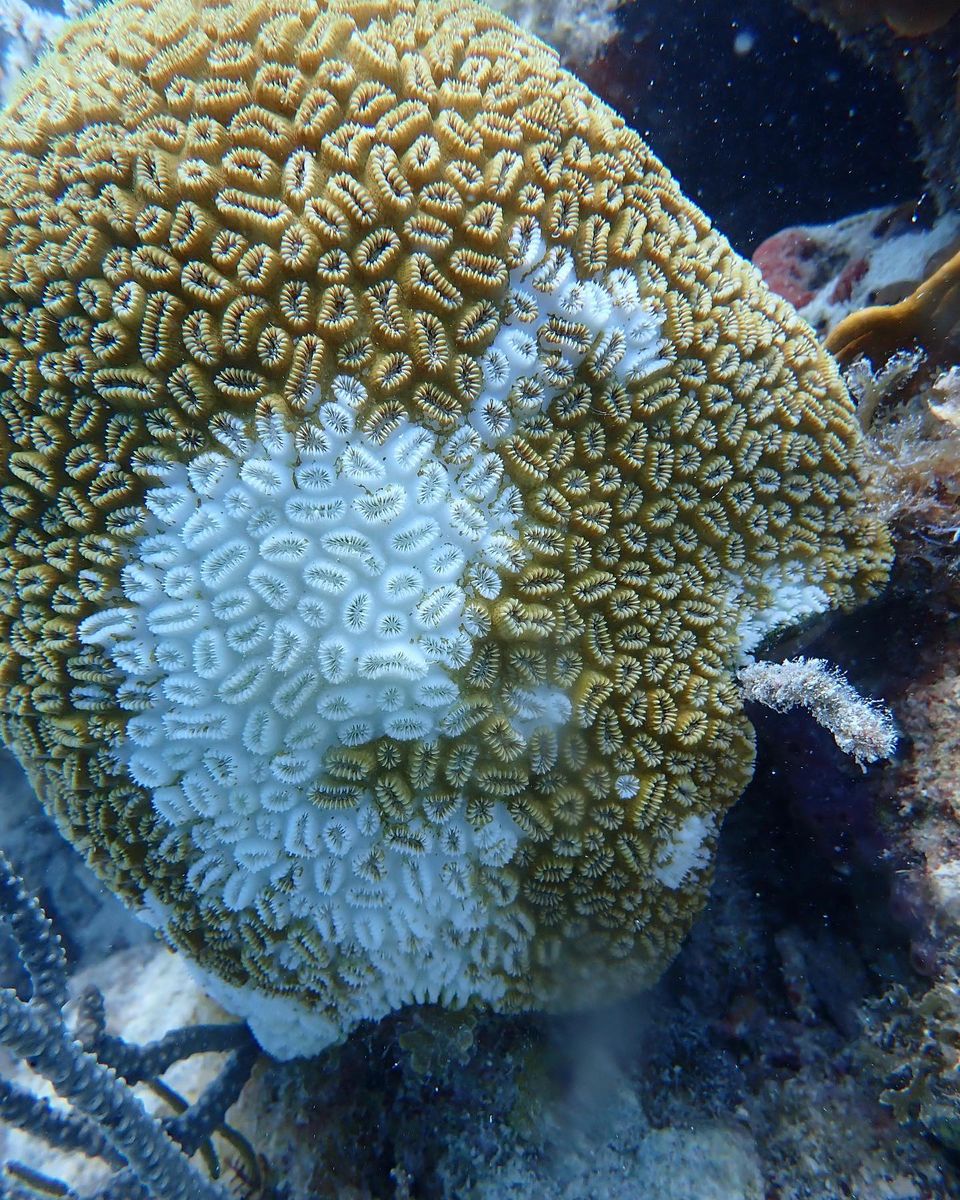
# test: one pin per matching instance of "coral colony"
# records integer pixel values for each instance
(397, 469)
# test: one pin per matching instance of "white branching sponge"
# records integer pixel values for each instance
(861, 728)
(396, 469)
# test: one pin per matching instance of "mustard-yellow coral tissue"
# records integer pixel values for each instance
(396, 470)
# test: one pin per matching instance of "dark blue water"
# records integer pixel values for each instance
(760, 114)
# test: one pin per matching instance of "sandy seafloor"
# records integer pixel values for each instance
(747, 1072)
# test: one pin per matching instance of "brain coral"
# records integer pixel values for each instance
(396, 469)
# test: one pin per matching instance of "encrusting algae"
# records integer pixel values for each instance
(929, 317)
(397, 469)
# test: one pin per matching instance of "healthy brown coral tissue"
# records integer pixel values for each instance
(396, 468)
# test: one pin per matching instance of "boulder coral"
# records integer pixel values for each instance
(396, 469)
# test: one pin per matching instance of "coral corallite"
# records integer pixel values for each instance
(396, 470)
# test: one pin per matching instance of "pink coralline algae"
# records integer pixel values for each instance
(788, 262)
(874, 258)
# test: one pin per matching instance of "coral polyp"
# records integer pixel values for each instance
(397, 468)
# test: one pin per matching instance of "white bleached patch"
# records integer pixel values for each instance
(685, 852)
(303, 590)
(285, 1027)
(312, 594)
(627, 786)
(309, 591)
(786, 599)
(538, 348)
